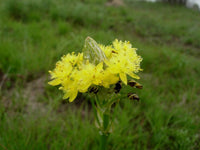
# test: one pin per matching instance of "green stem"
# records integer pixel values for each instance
(95, 111)
(103, 141)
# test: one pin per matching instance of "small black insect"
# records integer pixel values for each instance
(93, 89)
(118, 87)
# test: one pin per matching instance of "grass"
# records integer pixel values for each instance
(35, 34)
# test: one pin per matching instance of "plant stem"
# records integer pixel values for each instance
(103, 141)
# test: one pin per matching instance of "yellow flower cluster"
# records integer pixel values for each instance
(76, 74)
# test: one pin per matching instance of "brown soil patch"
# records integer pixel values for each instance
(30, 100)
(25, 99)
(115, 3)
(32, 92)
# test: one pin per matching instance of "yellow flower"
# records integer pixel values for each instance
(123, 60)
(99, 65)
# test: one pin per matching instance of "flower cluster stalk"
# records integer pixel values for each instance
(103, 143)
(103, 120)
(99, 70)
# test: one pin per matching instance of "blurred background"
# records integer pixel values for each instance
(34, 34)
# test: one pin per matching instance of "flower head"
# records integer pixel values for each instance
(97, 65)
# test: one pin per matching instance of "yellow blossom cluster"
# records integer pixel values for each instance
(76, 74)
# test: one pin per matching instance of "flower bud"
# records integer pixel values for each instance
(133, 96)
(133, 83)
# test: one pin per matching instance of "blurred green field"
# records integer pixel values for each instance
(34, 34)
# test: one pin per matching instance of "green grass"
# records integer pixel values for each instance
(34, 35)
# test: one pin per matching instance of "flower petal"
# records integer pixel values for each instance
(123, 78)
(133, 75)
(73, 96)
(54, 82)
